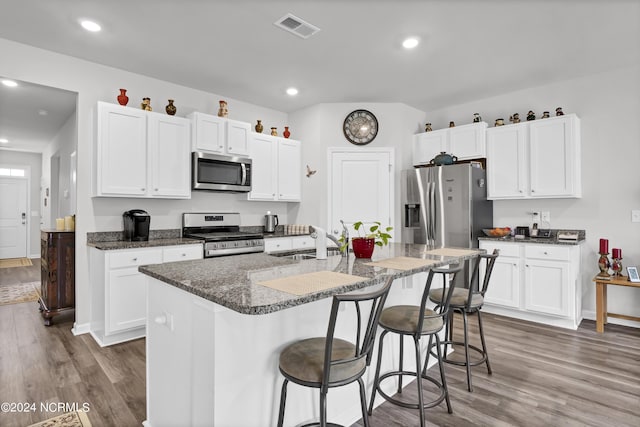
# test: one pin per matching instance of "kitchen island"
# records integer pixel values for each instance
(214, 334)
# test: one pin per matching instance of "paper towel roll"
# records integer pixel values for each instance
(59, 223)
(68, 223)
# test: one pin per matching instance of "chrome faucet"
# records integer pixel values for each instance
(317, 232)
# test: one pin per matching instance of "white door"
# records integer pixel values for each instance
(360, 188)
(13, 218)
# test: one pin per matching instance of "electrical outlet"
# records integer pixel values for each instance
(545, 217)
(635, 216)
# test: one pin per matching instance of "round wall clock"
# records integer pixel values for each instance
(360, 127)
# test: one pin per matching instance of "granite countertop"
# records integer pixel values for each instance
(233, 281)
(151, 243)
(283, 234)
(551, 240)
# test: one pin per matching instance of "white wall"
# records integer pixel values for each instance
(608, 106)
(61, 146)
(94, 82)
(320, 127)
(33, 161)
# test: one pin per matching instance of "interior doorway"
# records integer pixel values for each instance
(14, 215)
(361, 187)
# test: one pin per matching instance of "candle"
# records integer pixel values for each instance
(604, 246)
(59, 223)
(617, 253)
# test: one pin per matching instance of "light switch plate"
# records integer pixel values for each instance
(635, 216)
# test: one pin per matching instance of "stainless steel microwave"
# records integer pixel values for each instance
(215, 172)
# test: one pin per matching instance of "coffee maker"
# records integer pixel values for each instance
(136, 225)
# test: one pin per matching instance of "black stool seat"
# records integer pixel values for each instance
(304, 360)
(458, 299)
(403, 319)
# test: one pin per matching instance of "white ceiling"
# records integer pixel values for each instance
(469, 49)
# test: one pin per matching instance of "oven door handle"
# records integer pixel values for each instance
(244, 173)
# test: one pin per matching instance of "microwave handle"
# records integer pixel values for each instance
(244, 173)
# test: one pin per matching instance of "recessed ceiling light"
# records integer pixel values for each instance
(410, 43)
(292, 91)
(90, 25)
(4, 141)
(43, 112)
(9, 83)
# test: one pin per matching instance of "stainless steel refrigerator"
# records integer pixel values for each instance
(445, 206)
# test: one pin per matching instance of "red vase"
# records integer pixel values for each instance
(286, 132)
(363, 247)
(123, 99)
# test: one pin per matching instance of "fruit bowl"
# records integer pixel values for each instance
(497, 232)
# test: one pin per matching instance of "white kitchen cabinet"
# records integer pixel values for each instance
(276, 169)
(287, 243)
(140, 154)
(465, 142)
(168, 146)
(213, 134)
(536, 282)
(504, 288)
(119, 290)
(537, 159)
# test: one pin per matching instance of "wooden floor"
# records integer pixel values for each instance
(542, 376)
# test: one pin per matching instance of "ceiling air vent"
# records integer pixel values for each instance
(297, 26)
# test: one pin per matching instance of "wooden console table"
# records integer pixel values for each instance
(601, 299)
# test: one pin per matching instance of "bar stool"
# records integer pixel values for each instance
(416, 322)
(327, 362)
(468, 301)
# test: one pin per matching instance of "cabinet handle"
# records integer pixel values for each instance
(274, 194)
(135, 260)
(546, 253)
(527, 265)
(533, 191)
(155, 189)
(230, 148)
(161, 319)
(184, 254)
(143, 189)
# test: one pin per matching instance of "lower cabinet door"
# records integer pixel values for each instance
(504, 286)
(547, 287)
(126, 305)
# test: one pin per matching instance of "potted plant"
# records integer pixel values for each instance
(363, 245)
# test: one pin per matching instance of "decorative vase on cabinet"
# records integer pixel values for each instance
(123, 99)
(259, 127)
(170, 108)
(286, 132)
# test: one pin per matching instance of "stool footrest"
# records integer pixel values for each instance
(445, 358)
(410, 405)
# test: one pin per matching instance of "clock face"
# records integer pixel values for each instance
(360, 127)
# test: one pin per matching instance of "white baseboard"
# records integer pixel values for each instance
(80, 328)
(34, 256)
(591, 315)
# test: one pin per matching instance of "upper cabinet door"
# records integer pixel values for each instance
(238, 137)
(289, 170)
(208, 133)
(169, 149)
(263, 152)
(121, 162)
(468, 141)
(507, 169)
(427, 145)
(555, 157)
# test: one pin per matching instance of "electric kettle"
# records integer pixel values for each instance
(270, 222)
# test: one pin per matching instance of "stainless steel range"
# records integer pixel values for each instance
(221, 234)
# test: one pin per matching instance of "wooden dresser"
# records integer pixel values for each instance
(57, 288)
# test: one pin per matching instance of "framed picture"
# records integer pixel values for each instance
(633, 274)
